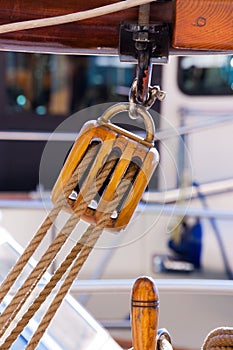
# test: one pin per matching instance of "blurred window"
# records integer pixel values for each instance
(61, 84)
(38, 92)
(206, 75)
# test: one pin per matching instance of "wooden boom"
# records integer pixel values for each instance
(198, 25)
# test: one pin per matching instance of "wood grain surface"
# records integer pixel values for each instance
(100, 34)
(130, 150)
(203, 24)
(144, 314)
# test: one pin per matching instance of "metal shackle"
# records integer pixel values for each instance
(141, 111)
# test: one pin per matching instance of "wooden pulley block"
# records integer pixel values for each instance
(124, 152)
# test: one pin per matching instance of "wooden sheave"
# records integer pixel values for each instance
(196, 25)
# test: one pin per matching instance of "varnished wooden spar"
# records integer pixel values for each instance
(97, 35)
(144, 314)
(203, 24)
(100, 35)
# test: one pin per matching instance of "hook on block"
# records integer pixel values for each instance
(144, 45)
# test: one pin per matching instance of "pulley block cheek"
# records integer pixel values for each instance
(133, 161)
(91, 133)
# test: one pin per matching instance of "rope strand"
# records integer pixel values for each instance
(30, 283)
(94, 232)
(41, 233)
(33, 245)
(219, 338)
(74, 260)
(24, 292)
(62, 269)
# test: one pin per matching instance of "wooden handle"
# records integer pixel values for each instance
(144, 314)
(203, 24)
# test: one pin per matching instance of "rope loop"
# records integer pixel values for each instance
(219, 338)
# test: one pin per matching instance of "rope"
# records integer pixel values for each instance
(23, 260)
(73, 17)
(94, 233)
(30, 283)
(43, 295)
(219, 339)
(26, 289)
(89, 238)
(65, 287)
(24, 292)
(41, 233)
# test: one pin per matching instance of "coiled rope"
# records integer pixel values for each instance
(73, 262)
(219, 339)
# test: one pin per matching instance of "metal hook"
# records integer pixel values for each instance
(144, 70)
(154, 93)
(144, 54)
(141, 91)
(143, 44)
(163, 340)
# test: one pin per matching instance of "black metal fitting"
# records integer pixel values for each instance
(153, 38)
(144, 45)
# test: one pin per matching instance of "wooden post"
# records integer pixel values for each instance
(144, 314)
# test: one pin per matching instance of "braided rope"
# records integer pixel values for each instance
(23, 260)
(41, 233)
(72, 263)
(219, 339)
(47, 258)
(94, 233)
(63, 289)
(30, 283)
(43, 295)
(24, 292)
